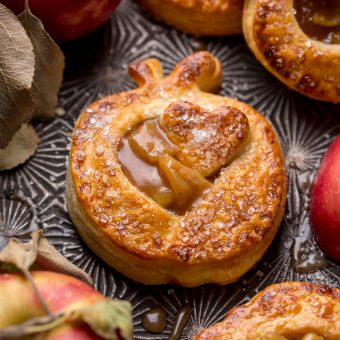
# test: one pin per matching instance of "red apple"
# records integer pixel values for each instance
(325, 202)
(18, 302)
(67, 19)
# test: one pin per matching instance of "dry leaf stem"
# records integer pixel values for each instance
(29, 277)
(29, 326)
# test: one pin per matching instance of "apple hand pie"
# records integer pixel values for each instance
(298, 42)
(199, 17)
(170, 184)
(284, 311)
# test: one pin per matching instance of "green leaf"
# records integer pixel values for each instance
(49, 66)
(16, 75)
(110, 319)
(21, 147)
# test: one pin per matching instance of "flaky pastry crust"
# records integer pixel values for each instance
(278, 42)
(290, 310)
(199, 17)
(218, 240)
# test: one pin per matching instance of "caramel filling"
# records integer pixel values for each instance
(148, 160)
(319, 19)
(169, 158)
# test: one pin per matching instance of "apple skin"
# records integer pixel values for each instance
(325, 202)
(67, 19)
(61, 292)
(72, 332)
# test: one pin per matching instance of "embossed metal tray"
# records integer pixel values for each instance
(97, 66)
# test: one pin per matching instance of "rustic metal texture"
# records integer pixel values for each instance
(97, 66)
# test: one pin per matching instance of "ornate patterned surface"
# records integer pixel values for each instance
(97, 66)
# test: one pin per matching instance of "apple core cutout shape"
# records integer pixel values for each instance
(274, 31)
(169, 160)
(218, 239)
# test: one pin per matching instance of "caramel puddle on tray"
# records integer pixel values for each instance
(306, 257)
(148, 160)
(181, 319)
(154, 320)
(319, 19)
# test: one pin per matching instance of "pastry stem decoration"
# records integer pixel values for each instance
(289, 310)
(171, 184)
(298, 45)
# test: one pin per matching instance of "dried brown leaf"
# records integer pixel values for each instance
(42, 254)
(49, 66)
(21, 147)
(50, 259)
(21, 254)
(16, 75)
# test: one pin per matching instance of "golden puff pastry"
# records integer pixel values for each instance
(284, 311)
(199, 17)
(170, 184)
(309, 63)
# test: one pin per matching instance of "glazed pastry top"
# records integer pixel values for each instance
(246, 197)
(291, 310)
(309, 66)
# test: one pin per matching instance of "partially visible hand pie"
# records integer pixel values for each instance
(199, 17)
(284, 311)
(298, 42)
(171, 184)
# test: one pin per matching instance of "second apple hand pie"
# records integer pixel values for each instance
(199, 17)
(283, 311)
(298, 42)
(171, 184)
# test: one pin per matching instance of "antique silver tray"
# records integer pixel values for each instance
(34, 193)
